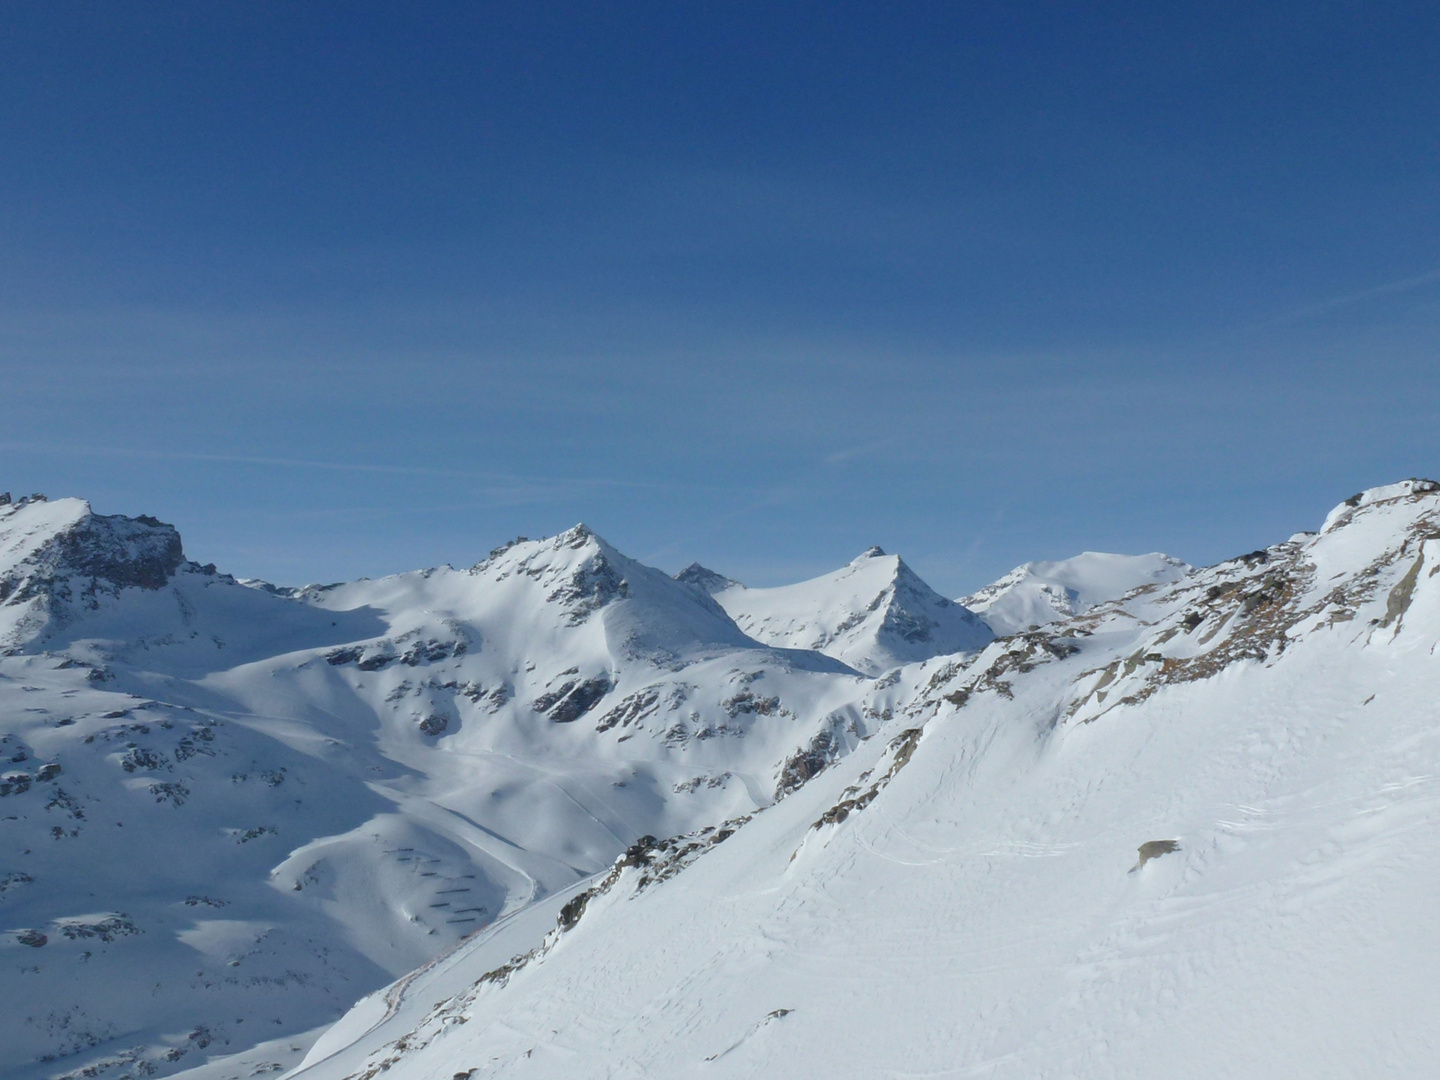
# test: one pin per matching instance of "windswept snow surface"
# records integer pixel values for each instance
(874, 614)
(1037, 593)
(1191, 833)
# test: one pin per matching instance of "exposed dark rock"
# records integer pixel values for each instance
(1153, 849)
(631, 710)
(807, 763)
(170, 792)
(573, 909)
(748, 703)
(590, 587)
(106, 929)
(13, 880)
(705, 579)
(112, 552)
(16, 783)
(573, 699)
(853, 799)
(140, 757)
(638, 853)
(431, 652)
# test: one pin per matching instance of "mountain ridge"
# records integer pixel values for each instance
(1254, 730)
(425, 776)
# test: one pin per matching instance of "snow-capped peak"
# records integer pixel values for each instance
(1036, 593)
(874, 613)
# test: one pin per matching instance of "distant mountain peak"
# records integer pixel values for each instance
(874, 613)
(1037, 593)
(705, 579)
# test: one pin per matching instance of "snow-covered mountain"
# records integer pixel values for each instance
(1186, 833)
(874, 614)
(1037, 593)
(261, 803)
(582, 822)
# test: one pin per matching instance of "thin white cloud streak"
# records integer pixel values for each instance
(1389, 288)
(840, 457)
(338, 466)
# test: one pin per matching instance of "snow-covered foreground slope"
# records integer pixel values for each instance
(1189, 833)
(1035, 594)
(874, 614)
(228, 811)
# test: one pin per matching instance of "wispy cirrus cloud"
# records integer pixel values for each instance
(510, 480)
(1374, 292)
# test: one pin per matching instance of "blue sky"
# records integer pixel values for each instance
(346, 289)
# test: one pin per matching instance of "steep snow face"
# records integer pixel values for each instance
(1187, 834)
(874, 614)
(260, 804)
(1037, 593)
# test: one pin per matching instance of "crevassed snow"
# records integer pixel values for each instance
(969, 892)
(1037, 593)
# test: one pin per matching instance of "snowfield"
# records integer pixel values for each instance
(562, 815)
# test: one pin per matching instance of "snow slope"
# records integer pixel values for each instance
(1191, 833)
(1037, 593)
(260, 804)
(874, 614)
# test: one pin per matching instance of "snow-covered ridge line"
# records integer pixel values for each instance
(1037, 593)
(1203, 785)
(363, 775)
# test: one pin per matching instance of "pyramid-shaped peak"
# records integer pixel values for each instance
(705, 579)
(874, 613)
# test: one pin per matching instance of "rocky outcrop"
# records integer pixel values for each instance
(60, 556)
